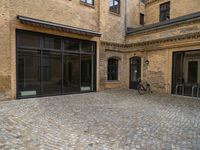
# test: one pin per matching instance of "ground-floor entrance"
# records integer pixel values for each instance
(135, 72)
(186, 73)
(52, 65)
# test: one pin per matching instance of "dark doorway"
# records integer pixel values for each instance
(135, 72)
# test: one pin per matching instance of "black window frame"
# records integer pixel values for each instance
(112, 72)
(165, 11)
(141, 19)
(41, 49)
(86, 2)
(112, 8)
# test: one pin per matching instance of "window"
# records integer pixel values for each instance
(114, 6)
(91, 2)
(112, 69)
(52, 65)
(143, 1)
(165, 11)
(141, 19)
(192, 71)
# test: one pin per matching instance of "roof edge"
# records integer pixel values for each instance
(164, 24)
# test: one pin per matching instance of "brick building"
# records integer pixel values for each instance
(72, 46)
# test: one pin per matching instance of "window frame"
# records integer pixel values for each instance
(41, 50)
(87, 3)
(113, 69)
(165, 13)
(115, 10)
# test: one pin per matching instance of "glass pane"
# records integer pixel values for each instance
(29, 40)
(110, 2)
(112, 69)
(135, 70)
(192, 71)
(52, 68)
(72, 45)
(116, 2)
(86, 73)
(52, 43)
(28, 73)
(87, 46)
(71, 73)
(90, 1)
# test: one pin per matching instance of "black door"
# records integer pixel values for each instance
(135, 72)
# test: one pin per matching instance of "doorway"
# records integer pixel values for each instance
(135, 72)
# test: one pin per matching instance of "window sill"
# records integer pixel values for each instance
(113, 81)
(88, 5)
(116, 14)
(142, 3)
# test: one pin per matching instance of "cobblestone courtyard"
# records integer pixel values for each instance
(117, 119)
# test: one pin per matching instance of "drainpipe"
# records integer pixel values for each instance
(126, 14)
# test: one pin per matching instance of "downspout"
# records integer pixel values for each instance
(126, 14)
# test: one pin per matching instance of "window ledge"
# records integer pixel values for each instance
(88, 5)
(116, 14)
(113, 81)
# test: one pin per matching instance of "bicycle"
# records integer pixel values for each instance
(143, 87)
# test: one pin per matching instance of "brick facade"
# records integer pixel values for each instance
(155, 45)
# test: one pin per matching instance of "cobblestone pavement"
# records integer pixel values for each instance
(116, 119)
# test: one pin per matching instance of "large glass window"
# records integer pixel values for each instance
(87, 73)
(51, 65)
(29, 72)
(186, 73)
(52, 43)
(112, 69)
(72, 45)
(29, 40)
(71, 73)
(114, 6)
(165, 11)
(51, 72)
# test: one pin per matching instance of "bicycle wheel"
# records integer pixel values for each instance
(141, 89)
(149, 88)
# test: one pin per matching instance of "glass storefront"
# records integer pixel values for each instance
(186, 73)
(52, 65)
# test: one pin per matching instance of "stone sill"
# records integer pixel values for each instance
(115, 14)
(88, 5)
(113, 82)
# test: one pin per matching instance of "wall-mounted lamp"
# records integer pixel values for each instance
(147, 62)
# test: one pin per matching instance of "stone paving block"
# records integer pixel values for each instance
(114, 119)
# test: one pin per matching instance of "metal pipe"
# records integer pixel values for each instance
(125, 17)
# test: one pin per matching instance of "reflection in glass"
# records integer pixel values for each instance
(71, 73)
(87, 46)
(86, 73)
(29, 40)
(52, 43)
(186, 74)
(71, 45)
(28, 73)
(52, 70)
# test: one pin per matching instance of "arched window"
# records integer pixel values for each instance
(112, 69)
